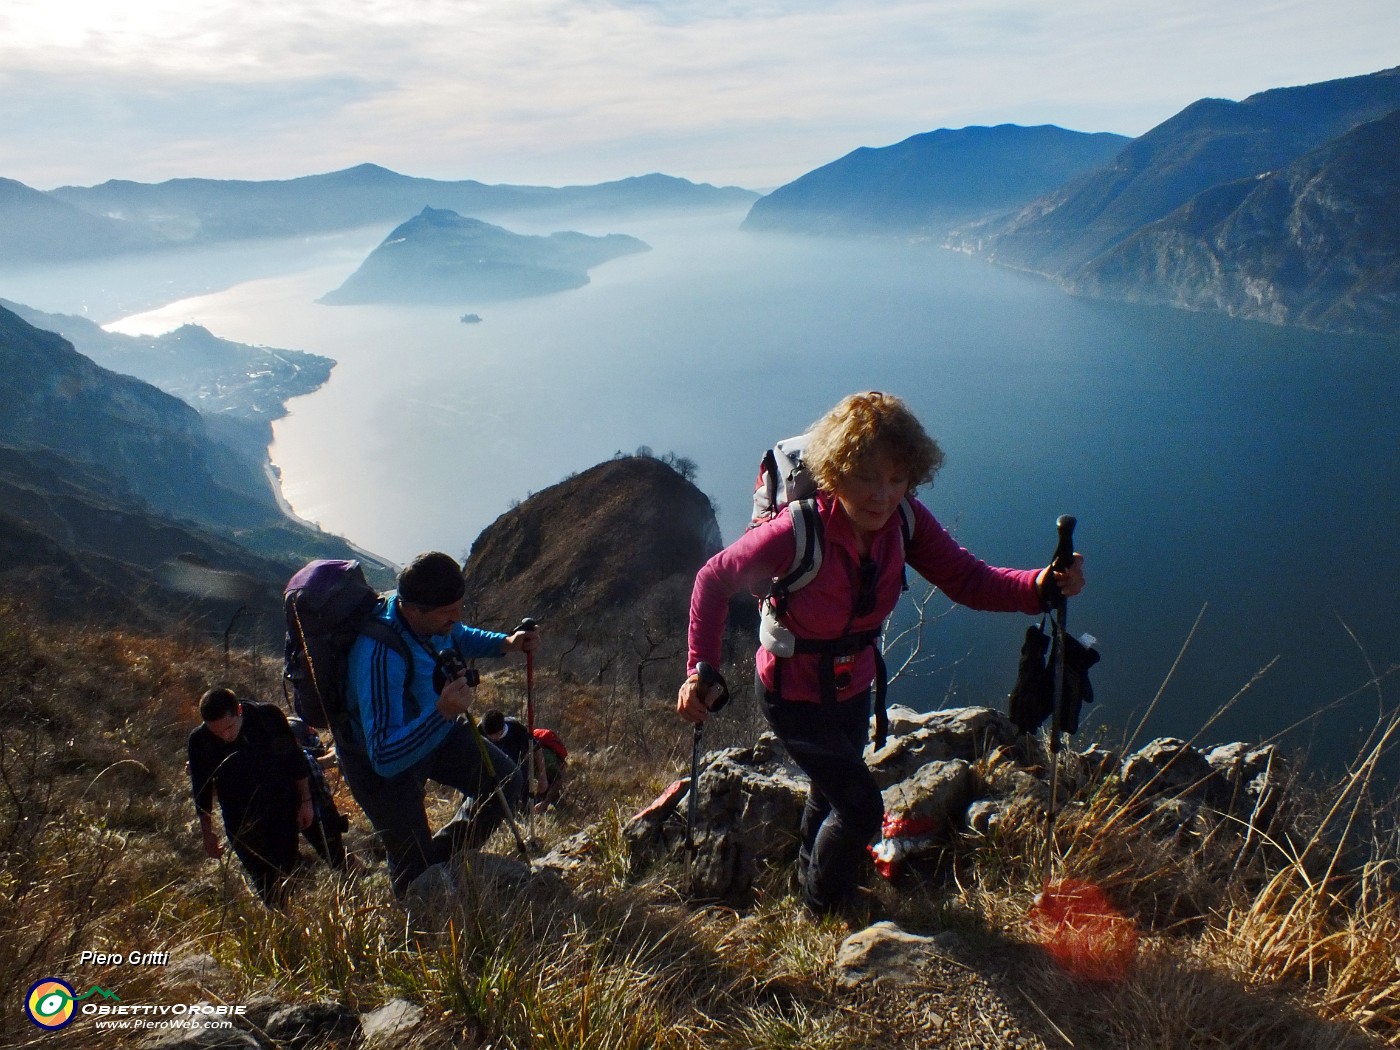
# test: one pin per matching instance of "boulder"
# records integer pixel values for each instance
(936, 797)
(1168, 767)
(307, 1025)
(393, 1024)
(888, 955)
(1257, 777)
(474, 877)
(748, 811)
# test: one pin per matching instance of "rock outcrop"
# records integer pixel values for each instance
(946, 775)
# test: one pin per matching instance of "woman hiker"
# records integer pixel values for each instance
(867, 455)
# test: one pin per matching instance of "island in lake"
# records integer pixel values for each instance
(439, 256)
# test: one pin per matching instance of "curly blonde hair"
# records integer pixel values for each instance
(864, 425)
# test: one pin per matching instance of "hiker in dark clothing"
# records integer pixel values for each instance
(245, 755)
(867, 456)
(327, 829)
(512, 736)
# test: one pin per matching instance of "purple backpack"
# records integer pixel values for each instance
(328, 604)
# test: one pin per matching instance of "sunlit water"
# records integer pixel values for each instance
(1236, 473)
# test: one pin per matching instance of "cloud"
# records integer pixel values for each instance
(580, 90)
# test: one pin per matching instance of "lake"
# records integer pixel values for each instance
(1234, 474)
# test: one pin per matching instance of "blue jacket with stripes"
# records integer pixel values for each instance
(399, 728)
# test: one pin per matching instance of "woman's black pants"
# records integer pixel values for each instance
(844, 807)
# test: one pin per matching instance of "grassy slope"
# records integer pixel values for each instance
(98, 850)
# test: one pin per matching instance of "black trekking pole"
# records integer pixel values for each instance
(452, 666)
(708, 676)
(529, 624)
(1063, 560)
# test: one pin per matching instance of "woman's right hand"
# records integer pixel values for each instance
(694, 700)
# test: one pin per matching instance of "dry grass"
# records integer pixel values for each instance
(1289, 943)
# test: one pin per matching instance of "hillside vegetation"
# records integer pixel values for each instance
(99, 851)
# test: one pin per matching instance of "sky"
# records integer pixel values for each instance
(559, 92)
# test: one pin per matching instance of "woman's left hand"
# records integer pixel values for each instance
(1070, 581)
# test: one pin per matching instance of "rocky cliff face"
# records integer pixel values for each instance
(1316, 244)
(152, 444)
(613, 548)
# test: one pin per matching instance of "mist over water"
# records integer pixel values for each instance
(1238, 473)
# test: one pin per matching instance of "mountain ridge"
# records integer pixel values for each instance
(925, 183)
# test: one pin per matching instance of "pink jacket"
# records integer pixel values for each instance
(823, 609)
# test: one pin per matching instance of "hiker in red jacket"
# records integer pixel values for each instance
(820, 656)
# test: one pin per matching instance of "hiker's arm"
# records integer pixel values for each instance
(522, 642)
(748, 565)
(964, 577)
(208, 837)
(394, 742)
(1068, 582)
(474, 643)
(305, 811)
(202, 791)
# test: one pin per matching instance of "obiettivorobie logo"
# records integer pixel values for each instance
(52, 1004)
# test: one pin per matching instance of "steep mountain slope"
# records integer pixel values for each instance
(1316, 244)
(442, 257)
(117, 502)
(610, 549)
(152, 444)
(929, 182)
(1210, 143)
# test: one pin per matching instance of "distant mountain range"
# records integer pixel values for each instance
(75, 222)
(119, 501)
(930, 182)
(1282, 208)
(439, 256)
(1156, 224)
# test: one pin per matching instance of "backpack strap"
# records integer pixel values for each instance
(809, 534)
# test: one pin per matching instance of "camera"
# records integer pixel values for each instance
(449, 665)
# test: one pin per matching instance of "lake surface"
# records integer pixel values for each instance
(1237, 474)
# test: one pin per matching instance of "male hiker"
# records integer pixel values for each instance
(244, 753)
(513, 737)
(410, 721)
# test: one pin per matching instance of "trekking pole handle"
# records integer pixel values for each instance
(708, 676)
(1064, 550)
(528, 623)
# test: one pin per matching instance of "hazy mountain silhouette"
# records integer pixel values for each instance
(441, 257)
(38, 228)
(119, 215)
(929, 182)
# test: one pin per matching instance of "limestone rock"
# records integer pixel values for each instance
(391, 1025)
(307, 1025)
(886, 954)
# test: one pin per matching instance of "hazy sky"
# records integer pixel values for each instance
(580, 91)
